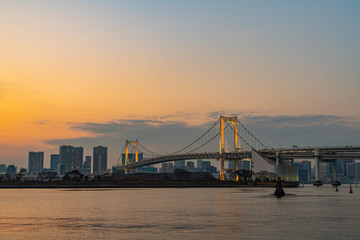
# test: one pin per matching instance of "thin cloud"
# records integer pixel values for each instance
(42, 122)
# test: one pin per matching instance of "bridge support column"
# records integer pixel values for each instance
(277, 158)
(222, 174)
(317, 168)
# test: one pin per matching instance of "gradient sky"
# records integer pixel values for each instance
(284, 67)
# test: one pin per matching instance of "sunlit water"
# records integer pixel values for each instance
(180, 213)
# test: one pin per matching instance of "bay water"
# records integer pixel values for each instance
(180, 213)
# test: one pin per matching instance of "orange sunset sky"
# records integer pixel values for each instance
(66, 63)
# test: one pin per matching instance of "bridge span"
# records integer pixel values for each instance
(190, 156)
(236, 143)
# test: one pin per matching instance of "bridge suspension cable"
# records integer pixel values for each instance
(198, 139)
(204, 143)
(256, 143)
(255, 138)
(152, 153)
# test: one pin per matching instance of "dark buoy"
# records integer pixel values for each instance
(336, 183)
(279, 192)
(350, 189)
(318, 183)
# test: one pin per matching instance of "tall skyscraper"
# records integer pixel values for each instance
(36, 162)
(66, 153)
(78, 158)
(306, 166)
(199, 165)
(99, 159)
(86, 167)
(351, 170)
(347, 169)
(54, 161)
(325, 171)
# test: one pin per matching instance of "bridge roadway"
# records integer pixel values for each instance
(323, 153)
(177, 157)
(274, 155)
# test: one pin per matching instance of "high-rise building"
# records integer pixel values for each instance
(167, 167)
(199, 165)
(180, 164)
(325, 171)
(78, 158)
(36, 162)
(302, 172)
(54, 161)
(66, 153)
(11, 170)
(206, 167)
(244, 164)
(346, 162)
(190, 166)
(306, 167)
(357, 171)
(340, 167)
(232, 165)
(99, 159)
(2, 169)
(351, 170)
(86, 167)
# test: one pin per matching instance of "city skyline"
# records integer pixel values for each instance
(90, 73)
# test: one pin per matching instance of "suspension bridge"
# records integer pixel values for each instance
(229, 140)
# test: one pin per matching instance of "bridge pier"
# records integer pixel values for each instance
(222, 174)
(277, 158)
(317, 168)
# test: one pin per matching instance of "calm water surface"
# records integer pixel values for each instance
(192, 213)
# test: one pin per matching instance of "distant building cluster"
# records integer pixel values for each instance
(68, 159)
(201, 166)
(72, 158)
(6, 171)
(346, 170)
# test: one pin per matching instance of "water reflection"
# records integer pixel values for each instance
(240, 213)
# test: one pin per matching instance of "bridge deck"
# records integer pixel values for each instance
(325, 154)
(177, 157)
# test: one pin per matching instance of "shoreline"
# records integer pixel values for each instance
(135, 185)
